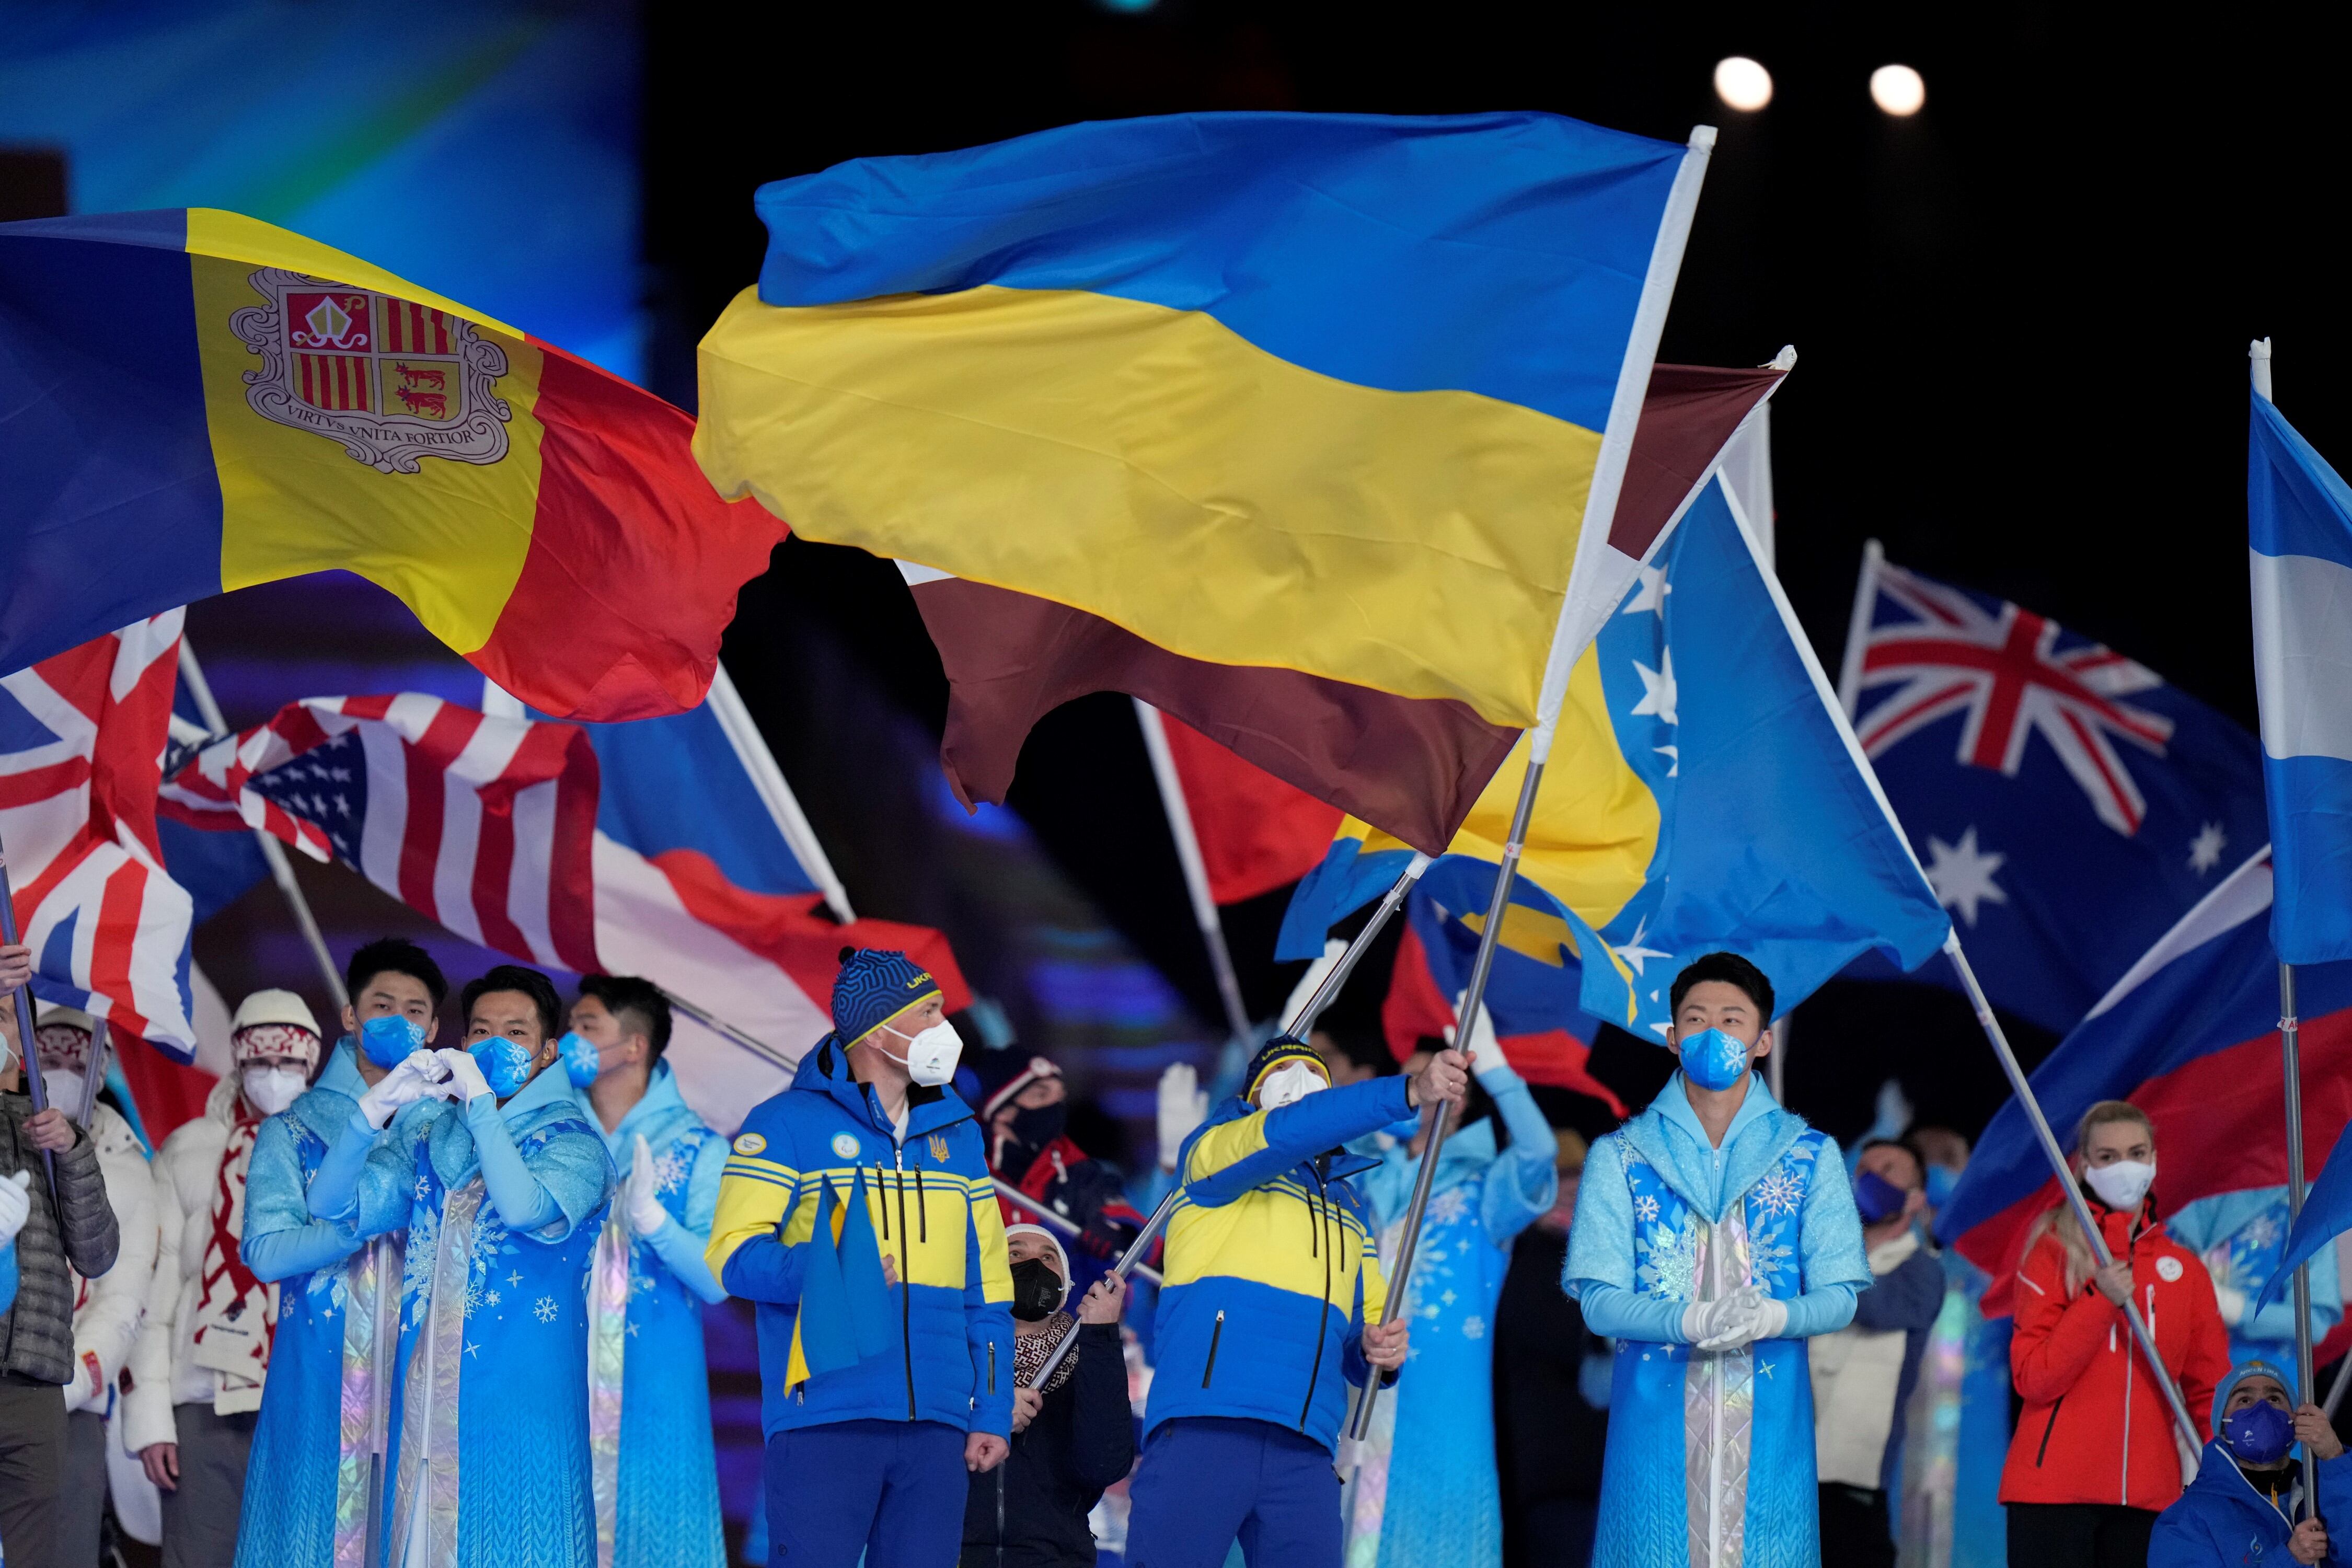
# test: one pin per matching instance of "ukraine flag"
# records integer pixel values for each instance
(1324, 394)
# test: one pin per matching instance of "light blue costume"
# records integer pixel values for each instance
(2241, 1237)
(306, 1487)
(1443, 1505)
(489, 1414)
(655, 1476)
(1710, 1457)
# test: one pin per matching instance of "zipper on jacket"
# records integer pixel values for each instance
(1323, 1317)
(906, 1285)
(991, 1369)
(2052, 1427)
(881, 1203)
(1215, 1335)
(922, 1209)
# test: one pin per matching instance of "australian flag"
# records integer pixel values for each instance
(2068, 805)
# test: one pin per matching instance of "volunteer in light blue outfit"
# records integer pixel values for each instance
(655, 1478)
(501, 1189)
(872, 1427)
(306, 1484)
(1714, 1233)
(2242, 1508)
(2241, 1236)
(1433, 1440)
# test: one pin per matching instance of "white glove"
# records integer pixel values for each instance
(2233, 1303)
(1485, 1050)
(1756, 1316)
(647, 1214)
(1312, 981)
(1705, 1321)
(419, 1074)
(1184, 1106)
(16, 1203)
(466, 1082)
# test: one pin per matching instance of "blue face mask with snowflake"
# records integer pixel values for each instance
(505, 1064)
(1713, 1059)
(387, 1039)
(581, 1062)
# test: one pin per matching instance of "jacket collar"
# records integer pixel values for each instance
(1889, 1255)
(659, 1106)
(551, 1086)
(329, 1102)
(1670, 1137)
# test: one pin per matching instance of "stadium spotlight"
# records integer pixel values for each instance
(1742, 83)
(1897, 89)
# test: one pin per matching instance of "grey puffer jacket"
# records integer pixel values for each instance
(36, 1333)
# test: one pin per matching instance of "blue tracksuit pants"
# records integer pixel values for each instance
(1207, 1481)
(892, 1489)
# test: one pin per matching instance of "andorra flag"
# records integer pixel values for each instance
(196, 402)
(1295, 425)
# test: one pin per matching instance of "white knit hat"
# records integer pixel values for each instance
(274, 1023)
(1060, 1255)
(71, 1017)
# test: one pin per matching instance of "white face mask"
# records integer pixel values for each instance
(2121, 1186)
(932, 1055)
(65, 1088)
(1289, 1084)
(272, 1089)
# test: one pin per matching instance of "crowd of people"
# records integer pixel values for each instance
(432, 1304)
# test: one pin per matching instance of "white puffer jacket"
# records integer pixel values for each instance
(107, 1308)
(163, 1369)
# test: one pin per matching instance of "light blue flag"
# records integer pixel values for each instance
(2299, 520)
(1774, 841)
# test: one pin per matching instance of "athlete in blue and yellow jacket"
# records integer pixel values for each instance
(874, 1449)
(1271, 1308)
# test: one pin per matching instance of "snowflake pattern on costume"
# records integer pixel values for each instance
(1473, 1327)
(544, 1310)
(1772, 1221)
(671, 1171)
(1646, 1209)
(1780, 1191)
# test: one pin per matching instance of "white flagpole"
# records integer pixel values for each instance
(783, 806)
(1196, 871)
(273, 853)
(1592, 537)
(2258, 356)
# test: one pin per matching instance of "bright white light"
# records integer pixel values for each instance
(1742, 84)
(1897, 89)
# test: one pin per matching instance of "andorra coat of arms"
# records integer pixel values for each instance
(392, 380)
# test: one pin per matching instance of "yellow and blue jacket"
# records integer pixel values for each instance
(950, 1352)
(1272, 1269)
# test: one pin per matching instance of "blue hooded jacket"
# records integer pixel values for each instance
(933, 1210)
(2222, 1520)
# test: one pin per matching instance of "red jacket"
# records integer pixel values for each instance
(2096, 1428)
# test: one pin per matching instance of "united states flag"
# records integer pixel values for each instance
(484, 825)
(82, 745)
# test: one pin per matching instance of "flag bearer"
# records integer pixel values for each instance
(1715, 1233)
(1271, 1311)
(657, 1475)
(869, 1445)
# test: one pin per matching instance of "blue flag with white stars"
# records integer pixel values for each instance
(2068, 805)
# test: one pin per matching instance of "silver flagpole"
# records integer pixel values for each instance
(30, 1064)
(1061, 1223)
(2067, 1183)
(95, 1077)
(1179, 812)
(1130, 1262)
(273, 853)
(1297, 1025)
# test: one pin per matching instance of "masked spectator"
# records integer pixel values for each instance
(2096, 1457)
(1024, 1106)
(1864, 1373)
(107, 1308)
(2246, 1505)
(1072, 1438)
(68, 1232)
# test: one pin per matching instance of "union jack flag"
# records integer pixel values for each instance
(1945, 653)
(82, 736)
(485, 825)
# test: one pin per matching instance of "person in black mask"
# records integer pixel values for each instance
(2246, 1505)
(1072, 1438)
(1024, 1106)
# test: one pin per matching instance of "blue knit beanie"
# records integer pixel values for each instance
(874, 987)
(1272, 1054)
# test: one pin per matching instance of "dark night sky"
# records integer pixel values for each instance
(2021, 315)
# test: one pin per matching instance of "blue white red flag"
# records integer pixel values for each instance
(2299, 517)
(2189, 1034)
(2069, 805)
(491, 826)
(81, 744)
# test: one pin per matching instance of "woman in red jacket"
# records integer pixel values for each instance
(2096, 1457)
